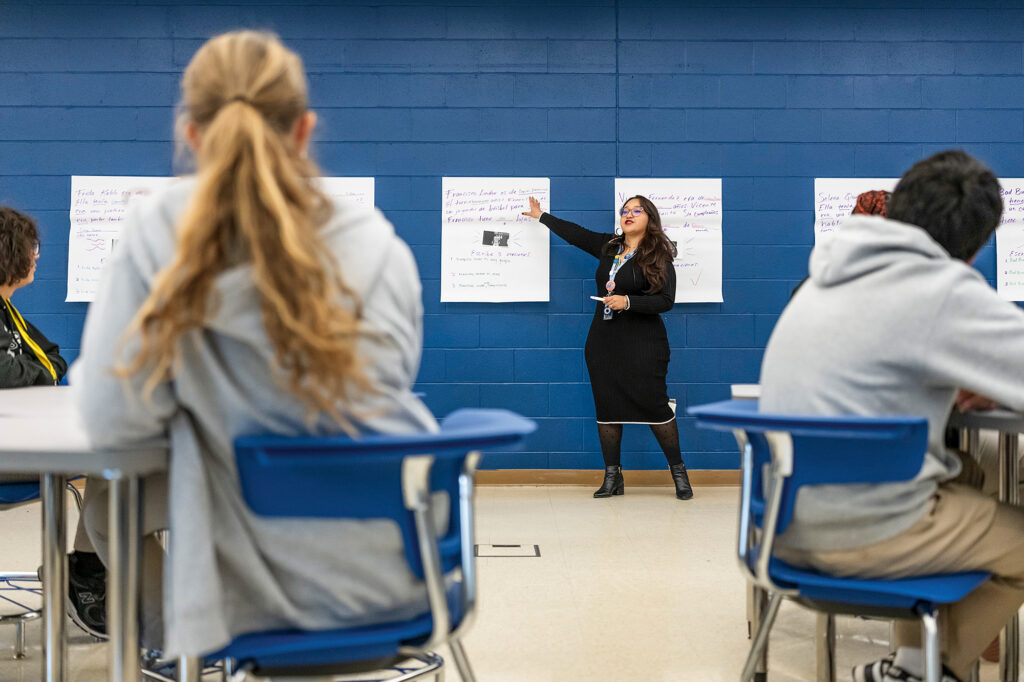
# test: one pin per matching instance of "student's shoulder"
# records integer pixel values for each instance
(166, 201)
(965, 292)
(149, 232)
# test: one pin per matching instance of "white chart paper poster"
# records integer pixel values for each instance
(834, 199)
(358, 191)
(691, 214)
(98, 205)
(1010, 241)
(490, 251)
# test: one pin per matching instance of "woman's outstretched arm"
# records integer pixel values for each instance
(580, 237)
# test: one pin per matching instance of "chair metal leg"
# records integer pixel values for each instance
(932, 652)
(434, 664)
(19, 639)
(461, 661)
(190, 669)
(826, 647)
(757, 600)
(1009, 482)
(761, 638)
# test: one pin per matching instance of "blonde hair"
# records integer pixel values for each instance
(255, 202)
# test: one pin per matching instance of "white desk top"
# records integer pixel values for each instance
(746, 391)
(40, 431)
(34, 401)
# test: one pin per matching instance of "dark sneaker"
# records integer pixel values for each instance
(87, 597)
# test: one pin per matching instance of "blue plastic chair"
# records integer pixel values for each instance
(391, 477)
(783, 453)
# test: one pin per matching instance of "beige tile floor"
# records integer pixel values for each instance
(639, 587)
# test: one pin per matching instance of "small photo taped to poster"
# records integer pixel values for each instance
(495, 238)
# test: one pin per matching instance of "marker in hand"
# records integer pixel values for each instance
(596, 298)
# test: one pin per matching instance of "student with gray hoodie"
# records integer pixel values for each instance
(894, 321)
(239, 301)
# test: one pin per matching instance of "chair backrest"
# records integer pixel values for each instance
(810, 450)
(388, 477)
(342, 477)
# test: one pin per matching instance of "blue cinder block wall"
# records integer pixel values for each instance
(581, 91)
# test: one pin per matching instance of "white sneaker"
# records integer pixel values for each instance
(887, 671)
(873, 672)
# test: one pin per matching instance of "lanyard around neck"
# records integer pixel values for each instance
(19, 322)
(618, 262)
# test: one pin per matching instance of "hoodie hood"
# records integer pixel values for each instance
(361, 234)
(360, 239)
(865, 244)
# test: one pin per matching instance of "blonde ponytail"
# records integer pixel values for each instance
(255, 202)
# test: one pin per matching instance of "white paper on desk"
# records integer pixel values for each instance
(358, 191)
(98, 205)
(834, 199)
(1010, 241)
(691, 214)
(490, 251)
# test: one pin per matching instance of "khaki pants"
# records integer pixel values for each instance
(963, 531)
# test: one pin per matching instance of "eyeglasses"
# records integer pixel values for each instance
(636, 211)
(35, 249)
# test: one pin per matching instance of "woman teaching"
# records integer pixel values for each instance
(627, 349)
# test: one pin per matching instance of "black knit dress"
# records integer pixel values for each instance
(627, 356)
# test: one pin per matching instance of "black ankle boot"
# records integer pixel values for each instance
(612, 483)
(682, 481)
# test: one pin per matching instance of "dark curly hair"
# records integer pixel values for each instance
(19, 238)
(655, 251)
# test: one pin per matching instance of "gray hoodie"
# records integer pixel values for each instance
(887, 324)
(229, 571)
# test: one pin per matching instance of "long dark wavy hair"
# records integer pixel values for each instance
(654, 253)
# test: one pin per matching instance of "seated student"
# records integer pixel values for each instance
(242, 301)
(30, 358)
(894, 321)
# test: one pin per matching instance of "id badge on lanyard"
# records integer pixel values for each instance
(610, 284)
(610, 287)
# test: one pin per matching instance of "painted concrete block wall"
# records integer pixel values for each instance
(580, 91)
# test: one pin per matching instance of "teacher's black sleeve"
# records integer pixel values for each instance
(659, 301)
(580, 237)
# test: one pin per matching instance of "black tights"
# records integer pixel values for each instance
(611, 442)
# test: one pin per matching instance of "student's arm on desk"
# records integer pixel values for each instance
(20, 370)
(968, 401)
(114, 412)
(977, 343)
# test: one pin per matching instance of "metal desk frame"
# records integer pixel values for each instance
(42, 434)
